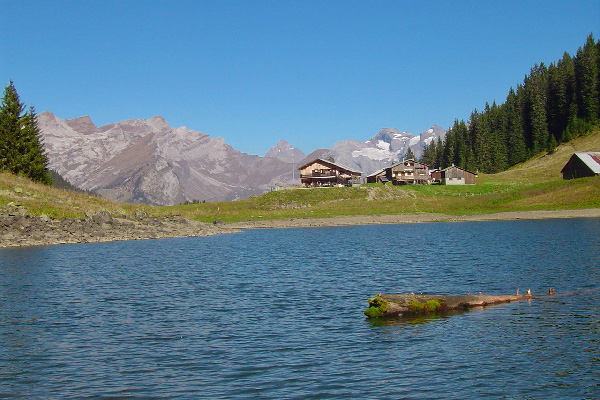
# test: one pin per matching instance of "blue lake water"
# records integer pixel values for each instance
(278, 314)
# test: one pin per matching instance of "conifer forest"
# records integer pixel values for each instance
(553, 105)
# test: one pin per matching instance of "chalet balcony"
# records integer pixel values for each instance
(328, 174)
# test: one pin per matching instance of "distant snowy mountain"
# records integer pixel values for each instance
(387, 147)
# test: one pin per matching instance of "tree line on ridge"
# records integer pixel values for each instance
(553, 105)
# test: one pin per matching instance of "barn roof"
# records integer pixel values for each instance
(591, 159)
(405, 161)
(457, 167)
(377, 172)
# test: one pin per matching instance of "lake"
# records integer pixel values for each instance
(278, 314)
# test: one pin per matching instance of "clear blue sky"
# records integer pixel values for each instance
(312, 72)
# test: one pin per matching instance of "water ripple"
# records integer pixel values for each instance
(278, 314)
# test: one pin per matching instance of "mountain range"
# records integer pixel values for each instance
(148, 161)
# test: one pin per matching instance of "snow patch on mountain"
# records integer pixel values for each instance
(389, 145)
(373, 154)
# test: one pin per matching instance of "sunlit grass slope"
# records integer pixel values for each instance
(546, 167)
(17, 191)
(534, 185)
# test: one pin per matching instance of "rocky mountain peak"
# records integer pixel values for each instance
(148, 161)
(432, 133)
(285, 152)
(82, 124)
(388, 135)
(159, 123)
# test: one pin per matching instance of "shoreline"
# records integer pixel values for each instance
(23, 230)
(388, 219)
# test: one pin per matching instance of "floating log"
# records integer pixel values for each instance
(398, 305)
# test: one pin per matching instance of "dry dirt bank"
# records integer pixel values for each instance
(412, 218)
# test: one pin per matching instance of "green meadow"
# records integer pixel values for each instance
(534, 185)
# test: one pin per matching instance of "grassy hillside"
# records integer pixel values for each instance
(533, 185)
(20, 192)
(546, 167)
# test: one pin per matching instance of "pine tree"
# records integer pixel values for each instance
(586, 73)
(428, 156)
(21, 150)
(551, 145)
(500, 132)
(10, 126)
(34, 162)
(409, 154)
(535, 88)
(463, 152)
(448, 148)
(477, 134)
(439, 153)
(598, 77)
(556, 99)
(562, 99)
(515, 141)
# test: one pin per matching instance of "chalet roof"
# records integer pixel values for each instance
(591, 159)
(377, 172)
(320, 160)
(405, 161)
(457, 167)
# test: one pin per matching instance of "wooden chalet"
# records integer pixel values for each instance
(455, 176)
(378, 177)
(409, 172)
(321, 172)
(581, 165)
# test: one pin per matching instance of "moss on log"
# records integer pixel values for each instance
(397, 305)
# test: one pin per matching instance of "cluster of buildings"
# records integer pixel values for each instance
(320, 172)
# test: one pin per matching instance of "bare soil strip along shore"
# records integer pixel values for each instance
(23, 229)
(412, 219)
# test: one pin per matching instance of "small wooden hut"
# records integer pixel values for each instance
(456, 176)
(581, 165)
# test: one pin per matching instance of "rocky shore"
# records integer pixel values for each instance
(19, 228)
